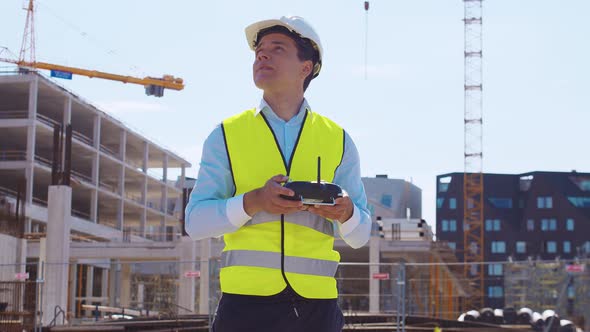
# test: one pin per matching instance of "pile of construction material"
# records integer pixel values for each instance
(547, 321)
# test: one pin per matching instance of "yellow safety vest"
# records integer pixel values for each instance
(271, 250)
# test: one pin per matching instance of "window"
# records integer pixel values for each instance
(551, 247)
(493, 225)
(452, 245)
(582, 182)
(549, 224)
(567, 247)
(465, 226)
(495, 291)
(545, 202)
(387, 200)
(501, 203)
(495, 269)
(443, 183)
(453, 225)
(586, 247)
(498, 247)
(581, 202)
(521, 203)
(445, 226)
(530, 225)
(439, 202)
(569, 224)
(452, 203)
(520, 247)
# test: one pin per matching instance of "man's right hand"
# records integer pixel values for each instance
(268, 198)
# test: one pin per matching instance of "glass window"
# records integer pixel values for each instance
(495, 291)
(586, 247)
(492, 225)
(495, 269)
(496, 224)
(545, 202)
(453, 225)
(439, 202)
(520, 247)
(530, 225)
(544, 224)
(452, 203)
(465, 226)
(445, 226)
(387, 200)
(443, 183)
(569, 224)
(452, 245)
(567, 247)
(581, 202)
(498, 247)
(551, 247)
(501, 203)
(552, 224)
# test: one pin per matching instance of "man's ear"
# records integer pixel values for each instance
(307, 68)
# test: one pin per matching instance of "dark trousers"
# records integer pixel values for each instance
(283, 312)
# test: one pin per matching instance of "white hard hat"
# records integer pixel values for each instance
(295, 24)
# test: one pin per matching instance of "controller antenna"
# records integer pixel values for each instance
(319, 169)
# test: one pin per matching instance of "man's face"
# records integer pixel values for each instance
(276, 66)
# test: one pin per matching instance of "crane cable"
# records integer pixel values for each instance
(366, 36)
(109, 51)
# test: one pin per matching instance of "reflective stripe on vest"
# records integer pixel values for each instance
(299, 218)
(272, 260)
(252, 254)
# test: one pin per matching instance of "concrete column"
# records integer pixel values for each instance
(143, 220)
(104, 291)
(122, 152)
(66, 120)
(95, 169)
(55, 290)
(186, 287)
(204, 282)
(72, 286)
(374, 290)
(21, 258)
(89, 286)
(31, 134)
(114, 282)
(125, 285)
(164, 198)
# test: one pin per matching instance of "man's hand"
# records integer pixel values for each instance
(268, 198)
(341, 211)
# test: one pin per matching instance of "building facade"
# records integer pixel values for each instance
(121, 199)
(535, 216)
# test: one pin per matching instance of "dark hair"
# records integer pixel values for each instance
(305, 49)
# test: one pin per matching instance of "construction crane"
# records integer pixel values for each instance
(473, 208)
(154, 86)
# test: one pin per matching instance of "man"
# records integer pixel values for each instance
(278, 264)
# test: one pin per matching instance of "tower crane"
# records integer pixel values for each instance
(154, 86)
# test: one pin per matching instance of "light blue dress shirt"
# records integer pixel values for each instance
(212, 212)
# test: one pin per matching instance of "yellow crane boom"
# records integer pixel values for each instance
(154, 84)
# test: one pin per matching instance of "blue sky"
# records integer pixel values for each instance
(406, 118)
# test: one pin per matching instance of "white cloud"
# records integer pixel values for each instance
(128, 106)
(386, 70)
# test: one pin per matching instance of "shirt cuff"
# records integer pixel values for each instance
(234, 209)
(347, 227)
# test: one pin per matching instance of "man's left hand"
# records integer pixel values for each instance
(341, 211)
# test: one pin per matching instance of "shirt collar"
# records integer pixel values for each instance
(265, 108)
